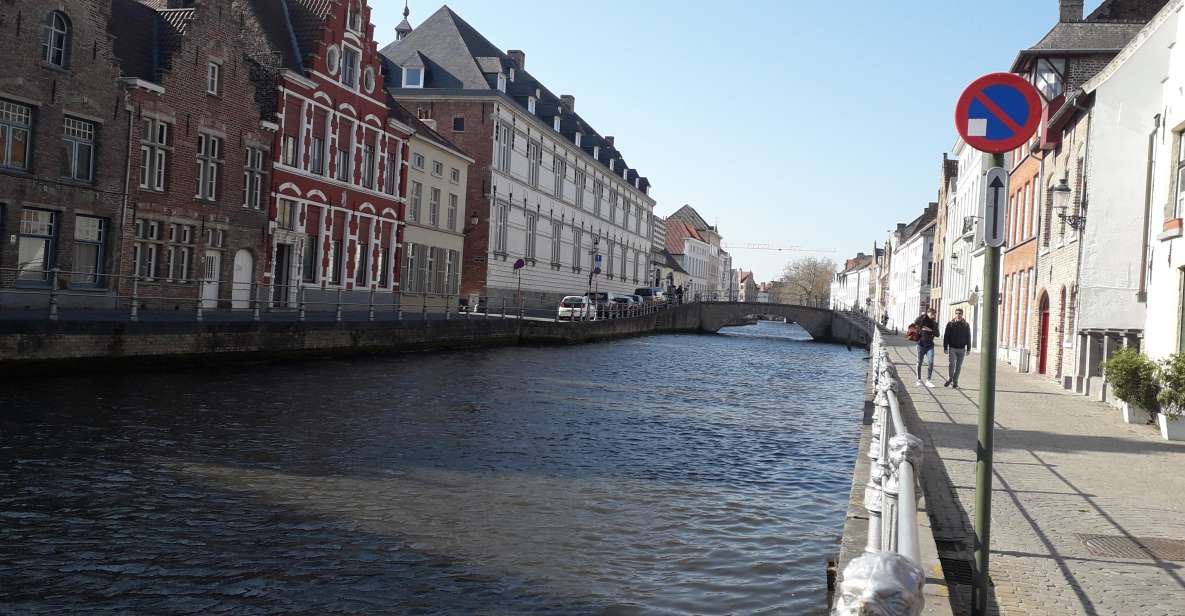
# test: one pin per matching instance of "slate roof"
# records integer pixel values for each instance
(147, 35)
(307, 20)
(666, 259)
(458, 57)
(1107, 29)
(690, 216)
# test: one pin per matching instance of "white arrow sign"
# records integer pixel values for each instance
(995, 207)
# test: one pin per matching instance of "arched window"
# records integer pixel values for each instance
(55, 38)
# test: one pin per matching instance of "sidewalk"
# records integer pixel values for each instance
(1073, 487)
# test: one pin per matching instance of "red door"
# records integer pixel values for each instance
(1043, 339)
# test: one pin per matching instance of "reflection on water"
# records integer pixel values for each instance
(660, 475)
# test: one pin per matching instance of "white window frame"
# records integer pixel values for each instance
(55, 39)
(209, 166)
(78, 136)
(350, 70)
(154, 154)
(418, 71)
(434, 207)
(253, 177)
(453, 206)
(417, 201)
(214, 78)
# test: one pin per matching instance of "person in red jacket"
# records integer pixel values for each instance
(927, 329)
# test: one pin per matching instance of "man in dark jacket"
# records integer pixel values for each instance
(956, 341)
(927, 328)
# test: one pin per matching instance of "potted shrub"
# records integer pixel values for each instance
(1172, 398)
(1132, 376)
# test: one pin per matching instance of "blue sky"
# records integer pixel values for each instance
(793, 123)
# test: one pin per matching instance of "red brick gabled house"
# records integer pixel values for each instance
(339, 175)
(63, 136)
(199, 154)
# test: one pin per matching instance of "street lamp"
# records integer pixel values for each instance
(1061, 202)
(473, 220)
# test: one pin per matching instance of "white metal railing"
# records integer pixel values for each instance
(888, 578)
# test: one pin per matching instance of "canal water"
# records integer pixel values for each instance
(674, 474)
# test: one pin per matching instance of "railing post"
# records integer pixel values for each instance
(503, 307)
(424, 307)
(53, 294)
(399, 305)
(254, 300)
(198, 314)
(338, 315)
(448, 307)
(300, 303)
(902, 448)
(485, 314)
(370, 308)
(135, 314)
(520, 308)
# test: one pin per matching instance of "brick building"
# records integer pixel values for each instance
(199, 154)
(546, 187)
(339, 167)
(63, 137)
(1019, 259)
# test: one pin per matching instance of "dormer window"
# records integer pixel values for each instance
(531, 104)
(578, 136)
(597, 152)
(555, 123)
(512, 73)
(1049, 77)
(413, 77)
(501, 82)
(354, 19)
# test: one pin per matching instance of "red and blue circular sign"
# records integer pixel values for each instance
(998, 113)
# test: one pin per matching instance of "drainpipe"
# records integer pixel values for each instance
(1142, 294)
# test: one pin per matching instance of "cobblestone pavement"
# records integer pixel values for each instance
(1064, 467)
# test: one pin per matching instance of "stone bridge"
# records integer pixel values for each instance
(824, 325)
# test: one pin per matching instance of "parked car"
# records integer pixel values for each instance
(576, 308)
(651, 294)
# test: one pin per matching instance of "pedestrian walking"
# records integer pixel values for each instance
(956, 341)
(926, 328)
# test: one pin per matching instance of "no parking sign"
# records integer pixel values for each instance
(998, 113)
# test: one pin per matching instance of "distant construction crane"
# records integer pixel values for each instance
(730, 247)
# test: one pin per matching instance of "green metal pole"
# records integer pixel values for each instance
(987, 421)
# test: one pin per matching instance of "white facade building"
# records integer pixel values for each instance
(962, 281)
(1150, 76)
(909, 281)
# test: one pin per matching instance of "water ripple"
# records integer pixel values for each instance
(662, 475)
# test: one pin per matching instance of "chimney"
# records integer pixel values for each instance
(520, 58)
(609, 141)
(1071, 10)
(569, 102)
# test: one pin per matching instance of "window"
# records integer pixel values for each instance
(500, 228)
(534, 161)
(413, 77)
(361, 266)
(434, 207)
(179, 254)
(1048, 77)
(505, 146)
(335, 262)
(598, 191)
(529, 249)
(354, 19)
(424, 259)
(209, 164)
(154, 142)
(417, 161)
(350, 67)
(625, 215)
(391, 177)
(286, 214)
(317, 155)
(458, 124)
(417, 198)
(1180, 175)
(343, 162)
(90, 234)
(384, 268)
(36, 245)
(613, 206)
(55, 39)
(288, 150)
(556, 229)
(407, 266)
(368, 161)
(214, 238)
(253, 177)
(308, 269)
(78, 149)
(561, 174)
(579, 188)
(501, 82)
(531, 104)
(453, 200)
(612, 253)
(145, 248)
(577, 239)
(16, 122)
(437, 168)
(453, 272)
(454, 176)
(214, 78)
(438, 270)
